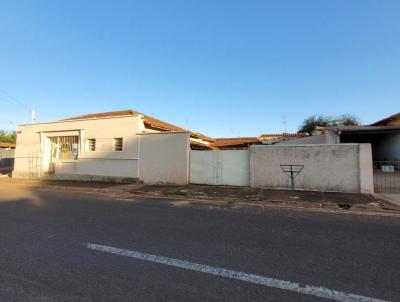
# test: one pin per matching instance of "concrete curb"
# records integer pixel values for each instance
(291, 207)
(123, 195)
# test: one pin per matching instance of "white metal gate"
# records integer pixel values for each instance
(222, 167)
(387, 176)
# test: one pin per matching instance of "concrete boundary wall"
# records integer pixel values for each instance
(327, 167)
(164, 157)
(366, 169)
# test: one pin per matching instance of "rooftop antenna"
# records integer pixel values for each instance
(284, 123)
(33, 115)
(187, 123)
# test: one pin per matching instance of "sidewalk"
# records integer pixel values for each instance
(392, 198)
(221, 195)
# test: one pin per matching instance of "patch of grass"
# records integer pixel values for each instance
(344, 206)
(264, 197)
(178, 192)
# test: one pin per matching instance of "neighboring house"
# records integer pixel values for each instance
(383, 135)
(234, 143)
(8, 146)
(281, 138)
(119, 146)
(244, 142)
(6, 157)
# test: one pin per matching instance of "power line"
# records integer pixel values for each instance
(14, 100)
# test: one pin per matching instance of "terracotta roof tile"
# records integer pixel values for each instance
(234, 141)
(202, 146)
(148, 120)
(279, 135)
(7, 145)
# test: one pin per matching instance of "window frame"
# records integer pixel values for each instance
(115, 142)
(89, 144)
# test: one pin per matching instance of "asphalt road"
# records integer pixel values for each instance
(44, 254)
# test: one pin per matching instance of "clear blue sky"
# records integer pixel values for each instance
(224, 68)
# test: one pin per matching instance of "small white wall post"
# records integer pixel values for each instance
(366, 169)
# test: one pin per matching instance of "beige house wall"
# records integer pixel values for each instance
(33, 153)
(156, 157)
(338, 167)
(153, 157)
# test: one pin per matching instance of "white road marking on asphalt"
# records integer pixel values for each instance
(317, 291)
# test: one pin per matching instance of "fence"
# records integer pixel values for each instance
(387, 176)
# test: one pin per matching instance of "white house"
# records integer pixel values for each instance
(111, 146)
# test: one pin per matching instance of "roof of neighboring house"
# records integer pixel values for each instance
(201, 136)
(384, 121)
(234, 141)
(202, 146)
(245, 141)
(263, 137)
(7, 145)
(363, 128)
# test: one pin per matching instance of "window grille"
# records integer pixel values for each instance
(92, 144)
(118, 144)
(64, 147)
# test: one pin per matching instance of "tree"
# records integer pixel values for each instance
(348, 120)
(310, 123)
(8, 136)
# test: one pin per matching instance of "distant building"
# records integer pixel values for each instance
(383, 135)
(4, 145)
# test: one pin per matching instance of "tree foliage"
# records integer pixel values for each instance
(310, 123)
(8, 136)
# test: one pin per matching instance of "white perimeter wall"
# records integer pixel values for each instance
(164, 157)
(223, 167)
(338, 167)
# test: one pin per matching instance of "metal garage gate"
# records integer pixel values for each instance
(222, 167)
(387, 176)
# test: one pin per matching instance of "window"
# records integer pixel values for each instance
(92, 144)
(118, 144)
